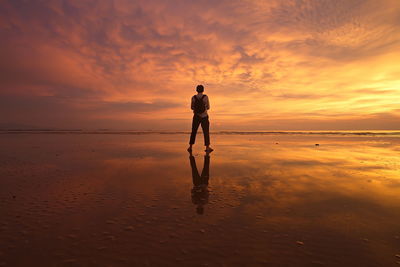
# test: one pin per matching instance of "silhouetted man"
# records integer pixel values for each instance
(200, 183)
(200, 104)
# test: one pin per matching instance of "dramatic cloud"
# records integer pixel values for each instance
(290, 64)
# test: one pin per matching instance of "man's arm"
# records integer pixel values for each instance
(207, 103)
(192, 103)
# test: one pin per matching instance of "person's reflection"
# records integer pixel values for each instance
(200, 183)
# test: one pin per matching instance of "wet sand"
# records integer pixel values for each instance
(131, 200)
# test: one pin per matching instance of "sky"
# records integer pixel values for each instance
(265, 65)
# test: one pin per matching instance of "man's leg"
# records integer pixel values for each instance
(205, 125)
(195, 126)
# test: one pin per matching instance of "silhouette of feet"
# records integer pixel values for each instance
(209, 150)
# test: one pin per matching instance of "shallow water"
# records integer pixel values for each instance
(271, 200)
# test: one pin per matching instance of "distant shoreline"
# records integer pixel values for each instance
(79, 131)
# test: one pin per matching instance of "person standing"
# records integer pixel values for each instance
(200, 104)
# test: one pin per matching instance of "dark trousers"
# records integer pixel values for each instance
(205, 125)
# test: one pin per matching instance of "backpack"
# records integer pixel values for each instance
(199, 106)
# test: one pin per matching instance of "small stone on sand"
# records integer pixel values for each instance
(129, 228)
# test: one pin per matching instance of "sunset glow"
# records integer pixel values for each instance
(266, 65)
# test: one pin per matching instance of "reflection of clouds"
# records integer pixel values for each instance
(130, 194)
(298, 55)
(337, 166)
(292, 190)
(344, 183)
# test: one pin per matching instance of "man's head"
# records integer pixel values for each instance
(200, 88)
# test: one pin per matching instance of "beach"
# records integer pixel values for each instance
(71, 199)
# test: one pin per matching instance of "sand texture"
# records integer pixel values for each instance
(137, 200)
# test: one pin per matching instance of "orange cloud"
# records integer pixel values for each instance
(272, 65)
